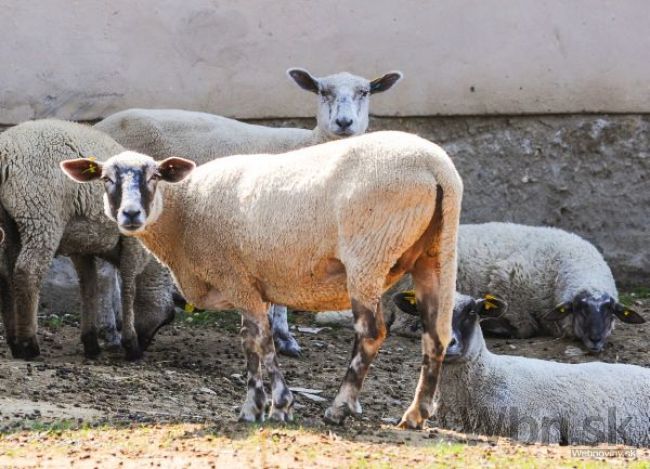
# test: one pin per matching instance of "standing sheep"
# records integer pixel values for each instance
(498, 395)
(343, 104)
(351, 218)
(49, 215)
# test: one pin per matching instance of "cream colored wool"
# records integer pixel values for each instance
(345, 213)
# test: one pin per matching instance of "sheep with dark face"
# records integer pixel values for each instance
(351, 217)
(555, 282)
(501, 395)
(342, 111)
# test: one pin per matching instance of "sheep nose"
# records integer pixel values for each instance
(595, 338)
(343, 122)
(131, 214)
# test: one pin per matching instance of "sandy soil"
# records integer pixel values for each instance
(193, 380)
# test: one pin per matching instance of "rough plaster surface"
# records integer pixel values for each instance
(87, 59)
(587, 174)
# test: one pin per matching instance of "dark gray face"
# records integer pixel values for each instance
(467, 312)
(592, 318)
(130, 191)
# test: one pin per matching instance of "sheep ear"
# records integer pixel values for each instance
(627, 315)
(304, 79)
(82, 169)
(560, 312)
(406, 302)
(175, 169)
(490, 307)
(381, 84)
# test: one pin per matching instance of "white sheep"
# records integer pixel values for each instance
(343, 105)
(534, 400)
(554, 282)
(49, 215)
(351, 217)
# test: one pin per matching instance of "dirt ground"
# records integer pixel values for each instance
(178, 406)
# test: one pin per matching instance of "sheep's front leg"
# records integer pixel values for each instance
(87, 273)
(132, 262)
(257, 342)
(285, 342)
(370, 332)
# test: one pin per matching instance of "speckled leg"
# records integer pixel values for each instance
(435, 337)
(370, 334)
(285, 342)
(258, 346)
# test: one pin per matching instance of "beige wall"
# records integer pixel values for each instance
(85, 59)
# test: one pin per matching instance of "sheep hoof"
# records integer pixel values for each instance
(27, 349)
(336, 414)
(91, 345)
(251, 414)
(281, 415)
(132, 350)
(288, 346)
(412, 420)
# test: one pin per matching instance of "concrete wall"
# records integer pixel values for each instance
(84, 59)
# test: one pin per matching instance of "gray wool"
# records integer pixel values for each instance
(531, 400)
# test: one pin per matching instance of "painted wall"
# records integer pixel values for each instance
(84, 59)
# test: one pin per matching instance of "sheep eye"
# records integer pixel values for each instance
(326, 93)
(364, 93)
(107, 180)
(154, 177)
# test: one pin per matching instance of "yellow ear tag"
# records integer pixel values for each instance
(490, 297)
(488, 305)
(91, 168)
(626, 313)
(188, 308)
(409, 296)
(562, 310)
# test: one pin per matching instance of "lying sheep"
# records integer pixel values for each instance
(534, 400)
(554, 282)
(351, 217)
(49, 215)
(343, 102)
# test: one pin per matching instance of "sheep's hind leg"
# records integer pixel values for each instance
(370, 334)
(286, 344)
(258, 346)
(87, 273)
(435, 337)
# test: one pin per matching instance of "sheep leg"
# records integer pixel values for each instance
(87, 272)
(435, 337)
(33, 260)
(8, 317)
(132, 262)
(257, 342)
(286, 344)
(370, 332)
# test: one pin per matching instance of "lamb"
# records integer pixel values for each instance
(498, 395)
(555, 282)
(45, 214)
(352, 217)
(343, 103)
